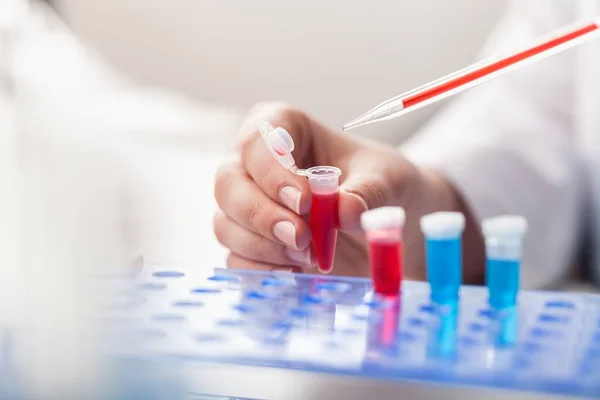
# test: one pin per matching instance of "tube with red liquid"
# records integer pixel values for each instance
(384, 330)
(383, 228)
(324, 184)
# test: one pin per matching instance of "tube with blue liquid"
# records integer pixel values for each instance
(504, 246)
(443, 243)
(442, 340)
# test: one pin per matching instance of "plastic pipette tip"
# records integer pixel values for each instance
(355, 123)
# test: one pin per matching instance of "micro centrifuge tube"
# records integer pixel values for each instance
(324, 185)
(443, 243)
(323, 218)
(383, 228)
(504, 243)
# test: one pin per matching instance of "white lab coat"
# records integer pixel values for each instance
(528, 143)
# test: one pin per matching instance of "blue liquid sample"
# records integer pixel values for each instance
(444, 268)
(507, 327)
(502, 278)
(443, 337)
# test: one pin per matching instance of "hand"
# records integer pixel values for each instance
(263, 206)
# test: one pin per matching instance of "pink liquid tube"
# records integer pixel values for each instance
(324, 222)
(324, 185)
(384, 329)
(383, 228)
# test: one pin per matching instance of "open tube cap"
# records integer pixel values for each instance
(443, 225)
(383, 218)
(505, 226)
(323, 179)
(279, 142)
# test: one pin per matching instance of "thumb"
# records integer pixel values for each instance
(359, 193)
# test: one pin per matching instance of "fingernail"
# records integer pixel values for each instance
(290, 196)
(300, 257)
(286, 232)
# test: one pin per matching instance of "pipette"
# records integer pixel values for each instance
(556, 42)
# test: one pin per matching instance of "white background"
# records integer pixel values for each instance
(335, 59)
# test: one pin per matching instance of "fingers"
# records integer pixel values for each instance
(279, 184)
(236, 262)
(351, 206)
(254, 247)
(358, 194)
(375, 176)
(244, 202)
(262, 202)
(279, 115)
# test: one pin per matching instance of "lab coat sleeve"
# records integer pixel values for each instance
(507, 146)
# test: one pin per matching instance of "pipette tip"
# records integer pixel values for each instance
(355, 123)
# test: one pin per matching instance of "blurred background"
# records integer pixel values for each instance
(330, 59)
(178, 76)
(115, 114)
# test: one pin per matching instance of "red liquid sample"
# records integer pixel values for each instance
(385, 258)
(324, 223)
(383, 332)
(389, 325)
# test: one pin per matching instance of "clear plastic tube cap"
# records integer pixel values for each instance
(508, 226)
(279, 142)
(443, 225)
(278, 138)
(383, 218)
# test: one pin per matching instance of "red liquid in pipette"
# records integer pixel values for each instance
(324, 224)
(385, 258)
(494, 67)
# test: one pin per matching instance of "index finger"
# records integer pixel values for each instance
(280, 184)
